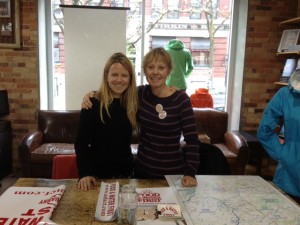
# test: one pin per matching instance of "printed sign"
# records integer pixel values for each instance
(107, 202)
(157, 204)
(29, 205)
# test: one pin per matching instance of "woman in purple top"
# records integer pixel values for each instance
(164, 115)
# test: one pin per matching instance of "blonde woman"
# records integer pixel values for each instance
(103, 141)
(165, 114)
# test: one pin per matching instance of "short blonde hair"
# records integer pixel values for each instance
(155, 55)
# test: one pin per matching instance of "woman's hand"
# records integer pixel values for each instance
(173, 88)
(86, 102)
(188, 181)
(86, 183)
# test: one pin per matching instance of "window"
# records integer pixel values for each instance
(200, 48)
(135, 8)
(195, 9)
(160, 41)
(214, 6)
(173, 9)
(56, 47)
(199, 9)
(200, 58)
(157, 6)
(117, 3)
(184, 26)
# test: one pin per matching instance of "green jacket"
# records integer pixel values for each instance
(182, 64)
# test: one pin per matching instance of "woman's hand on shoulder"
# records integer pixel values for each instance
(188, 181)
(173, 89)
(87, 183)
(86, 102)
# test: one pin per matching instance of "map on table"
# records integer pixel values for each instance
(238, 200)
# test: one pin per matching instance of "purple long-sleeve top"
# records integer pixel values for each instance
(160, 152)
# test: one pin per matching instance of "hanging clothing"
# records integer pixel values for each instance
(202, 99)
(182, 64)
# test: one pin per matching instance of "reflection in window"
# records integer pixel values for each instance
(173, 9)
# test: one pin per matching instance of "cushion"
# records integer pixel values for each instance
(46, 152)
(65, 167)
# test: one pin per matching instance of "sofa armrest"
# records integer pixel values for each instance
(204, 138)
(29, 143)
(235, 143)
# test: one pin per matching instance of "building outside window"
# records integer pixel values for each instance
(166, 20)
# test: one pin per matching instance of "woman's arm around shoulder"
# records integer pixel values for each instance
(86, 102)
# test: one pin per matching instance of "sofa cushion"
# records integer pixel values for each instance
(46, 152)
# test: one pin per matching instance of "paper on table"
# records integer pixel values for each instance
(29, 205)
(157, 205)
(107, 205)
(159, 222)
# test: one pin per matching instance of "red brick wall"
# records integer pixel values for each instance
(19, 75)
(262, 66)
(19, 67)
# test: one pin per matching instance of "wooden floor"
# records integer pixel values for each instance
(9, 180)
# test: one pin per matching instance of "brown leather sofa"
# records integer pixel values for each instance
(212, 126)
(56, 132)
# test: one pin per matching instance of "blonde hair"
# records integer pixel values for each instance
(129, 98)
(157, 54)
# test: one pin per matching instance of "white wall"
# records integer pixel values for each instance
(92, 35)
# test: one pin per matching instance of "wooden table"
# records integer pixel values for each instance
(77, 206)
